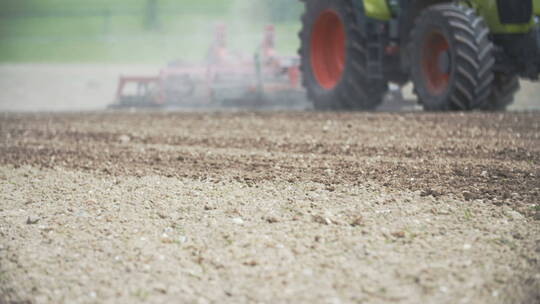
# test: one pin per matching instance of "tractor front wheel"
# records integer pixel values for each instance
(451, 59)
(333, 59)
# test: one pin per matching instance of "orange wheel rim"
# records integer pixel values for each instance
(328, 49)
(436, 62)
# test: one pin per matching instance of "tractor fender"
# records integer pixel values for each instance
(371, 11)
(489, 10)
(376, 9)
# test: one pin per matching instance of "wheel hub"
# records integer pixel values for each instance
(328, 49)
(444, 62)
(436, 62)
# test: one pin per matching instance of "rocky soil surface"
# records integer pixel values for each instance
(301, 207)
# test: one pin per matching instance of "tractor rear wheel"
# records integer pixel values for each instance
(452, 59)
(334, 60)
(505, 87)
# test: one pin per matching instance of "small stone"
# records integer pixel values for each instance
(238, 221)
(430, 192)
(124, 139)
(321, 220)
(467, 246)
(515, 215)
(308, 272)
(31, 220)
(165, 239)
(45, 228)
(272, 220)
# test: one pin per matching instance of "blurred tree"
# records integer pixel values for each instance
(151, 20)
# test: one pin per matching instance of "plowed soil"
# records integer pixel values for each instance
(117, 207)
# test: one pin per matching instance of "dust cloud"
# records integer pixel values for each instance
(79, 85)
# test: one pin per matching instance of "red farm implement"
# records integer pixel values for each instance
(225, 79)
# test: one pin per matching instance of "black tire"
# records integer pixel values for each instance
(459, 78)
(504, 89)
(353, 91)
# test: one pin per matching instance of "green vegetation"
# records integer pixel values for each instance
(468, 215)
(136, 31)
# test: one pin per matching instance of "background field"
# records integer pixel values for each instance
(137, 31)
(83, 46)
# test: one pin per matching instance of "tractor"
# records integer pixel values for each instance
(459, 55)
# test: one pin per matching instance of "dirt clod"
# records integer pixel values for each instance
(398, 234)
(358, 221)
(272, 219)
(469, 195)
(124, 139)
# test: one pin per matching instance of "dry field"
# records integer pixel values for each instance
(91, 87)
(302, 207)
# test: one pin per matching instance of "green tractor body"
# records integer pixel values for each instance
(460, 55)
(488, 9)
